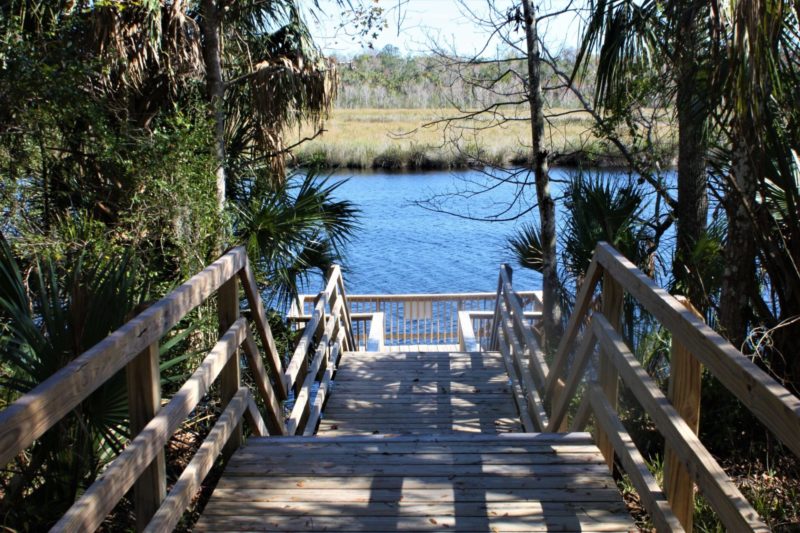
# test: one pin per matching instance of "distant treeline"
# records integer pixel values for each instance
(388, 80)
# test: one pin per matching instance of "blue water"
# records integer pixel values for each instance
(403, 248)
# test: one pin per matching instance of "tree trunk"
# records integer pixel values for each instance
(738, 279)
(215, 88)
(547, 209)
(692, 106)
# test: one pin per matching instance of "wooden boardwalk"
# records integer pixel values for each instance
(423, 439)
(420, 392)
(418, 441)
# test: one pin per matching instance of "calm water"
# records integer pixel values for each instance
(404, 248)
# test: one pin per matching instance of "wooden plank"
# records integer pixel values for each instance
(298, 359)
(293, 423)
(562, 401)
(582, 303)
(466, 334)
(265, 455)
(276, 425)
(488, 315)
(262, 327)
(494, 385)
(516, 438)
(733, 509)
(230, 379)
(253, 460)
(407, 470)
(144, 400)
(534, 351)
(375, 338)
(599, 513)
(425, 522)
(351, 343)
(29, 417)
(90, 510)
(196, 471)
(421, 495)
(533, 402)
(253, 417)
(773, 405)
(608, 378)
(494, 339)
(581, 416)
(684, 393)
(634, 464)
(319, 399)
(300, 484)
(406, 410)
(326, 445)
(518, 394)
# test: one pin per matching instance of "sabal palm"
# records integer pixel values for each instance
(598, 209)
(292, 229)
(49, 317)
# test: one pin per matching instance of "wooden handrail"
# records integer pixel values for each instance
(328, 333)
(135, 346)
(776, 407)
(771, 403)
(37, 411)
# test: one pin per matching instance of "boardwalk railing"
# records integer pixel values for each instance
(134, 348)
(421, 319)
(548, 393)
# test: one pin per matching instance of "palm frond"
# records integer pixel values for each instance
(526, 245)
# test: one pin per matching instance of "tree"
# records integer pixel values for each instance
(547, 208)
(633, 38)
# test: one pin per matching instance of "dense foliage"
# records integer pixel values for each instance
(110, 129)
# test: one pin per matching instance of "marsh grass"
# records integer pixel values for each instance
(396, 139)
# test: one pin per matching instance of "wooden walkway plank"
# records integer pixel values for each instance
(418, 441)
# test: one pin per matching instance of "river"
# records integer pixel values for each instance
(403, 247)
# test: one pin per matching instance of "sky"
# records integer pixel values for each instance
(417, 26)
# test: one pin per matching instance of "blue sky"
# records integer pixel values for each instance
(415, 26)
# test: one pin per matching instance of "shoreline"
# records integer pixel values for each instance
(398, 162)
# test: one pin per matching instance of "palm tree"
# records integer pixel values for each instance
(759, 119)
(293, 229)
(270, 76)
(673, 39)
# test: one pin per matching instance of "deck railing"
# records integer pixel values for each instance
(423, 319)
(545, 394)
(134, 348)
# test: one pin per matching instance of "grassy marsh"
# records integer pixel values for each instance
(420, 139)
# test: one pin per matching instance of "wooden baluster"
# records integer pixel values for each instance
(608, 377)
(230, 377)
(144, 401)
(684, 393)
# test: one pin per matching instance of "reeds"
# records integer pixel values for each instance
(423, 139)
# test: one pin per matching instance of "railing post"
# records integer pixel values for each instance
(608, 377)
(495, 338)
(144, 401)
(229, 378)
(684, 393)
